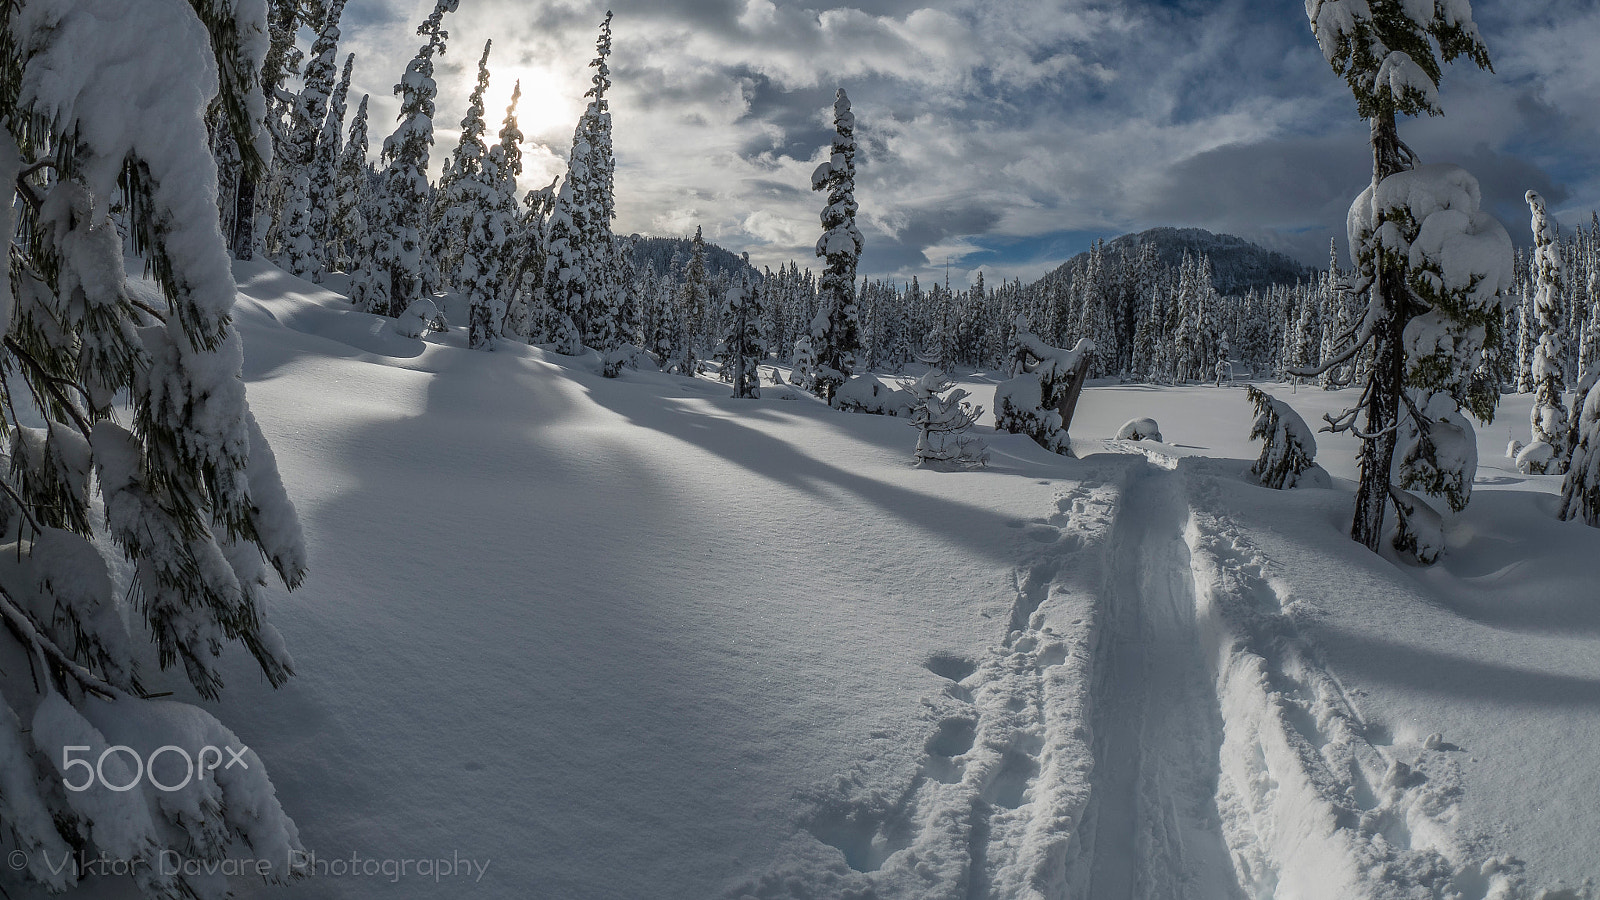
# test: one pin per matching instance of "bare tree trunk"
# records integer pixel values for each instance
(1386, 378)
(244, 217)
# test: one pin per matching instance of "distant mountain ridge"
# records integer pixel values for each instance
(1237, 265)
(664, 256)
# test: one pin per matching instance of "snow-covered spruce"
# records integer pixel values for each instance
(475, 223)
(1288, 449)
(520, 253)
(943, 419)
(742, 348)
(1459, 262)
(138, 407)
(1045, 382)
(1549, 407)
(397, 217)
(1580, 490)
(1423, 250)
(803, 372)
(324, 173)
(836, 330)
(348, 234)
(565, 281)
(606, 317)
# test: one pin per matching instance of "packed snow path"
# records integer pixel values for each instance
(1156, 832)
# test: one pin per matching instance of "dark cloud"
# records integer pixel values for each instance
(1004, 131)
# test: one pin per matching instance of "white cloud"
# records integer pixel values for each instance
(980, 121)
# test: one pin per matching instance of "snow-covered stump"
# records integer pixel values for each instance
(943, 423)
(1040, 397)
(1288, 450)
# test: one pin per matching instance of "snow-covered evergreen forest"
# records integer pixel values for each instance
(541, 559)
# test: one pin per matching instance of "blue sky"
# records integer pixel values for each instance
(1004, 135)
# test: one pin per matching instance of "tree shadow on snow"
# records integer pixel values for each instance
(1433, 671)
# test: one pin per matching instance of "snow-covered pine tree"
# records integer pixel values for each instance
(404, 195)
(564, 279)
(693, 300)
(1391, 54)
(1039, 398)
(944, 422)
(1335, 317)
(803, 372)
(262, 118)
(1580, 490)
(323, 196)
(130, 442)
(348, 218)
(502, 168)
(742, 346)
(1207, 305)
(288, 196)
(473, 226)
(299, 246)
(605, 317)
(1525, 342)
(529, 277)
(1288, 449)
(1549, 407)
(311, 104)
(836, 332)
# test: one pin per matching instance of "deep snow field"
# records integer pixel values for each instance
(634, 639)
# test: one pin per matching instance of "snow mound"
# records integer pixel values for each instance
(1139, 430)
(869, 394)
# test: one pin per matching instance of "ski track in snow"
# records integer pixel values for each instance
(1314, 803)
(1152, 725)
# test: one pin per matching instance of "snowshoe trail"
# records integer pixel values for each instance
(1152, 725)
(1156, 831)
(1313, 803)
(994, 806)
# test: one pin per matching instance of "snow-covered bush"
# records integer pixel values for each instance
(1513, 447)
(1534, 458)
(1039, 398)
(1580, 490)
(869, 394)
(803, 372)
(132, 448)
(628, 356)
(421, 317)
(1420, 532)
(1289, 449)
(1139, 430)
(943, 422)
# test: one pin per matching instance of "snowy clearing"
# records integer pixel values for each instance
(575, 630)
